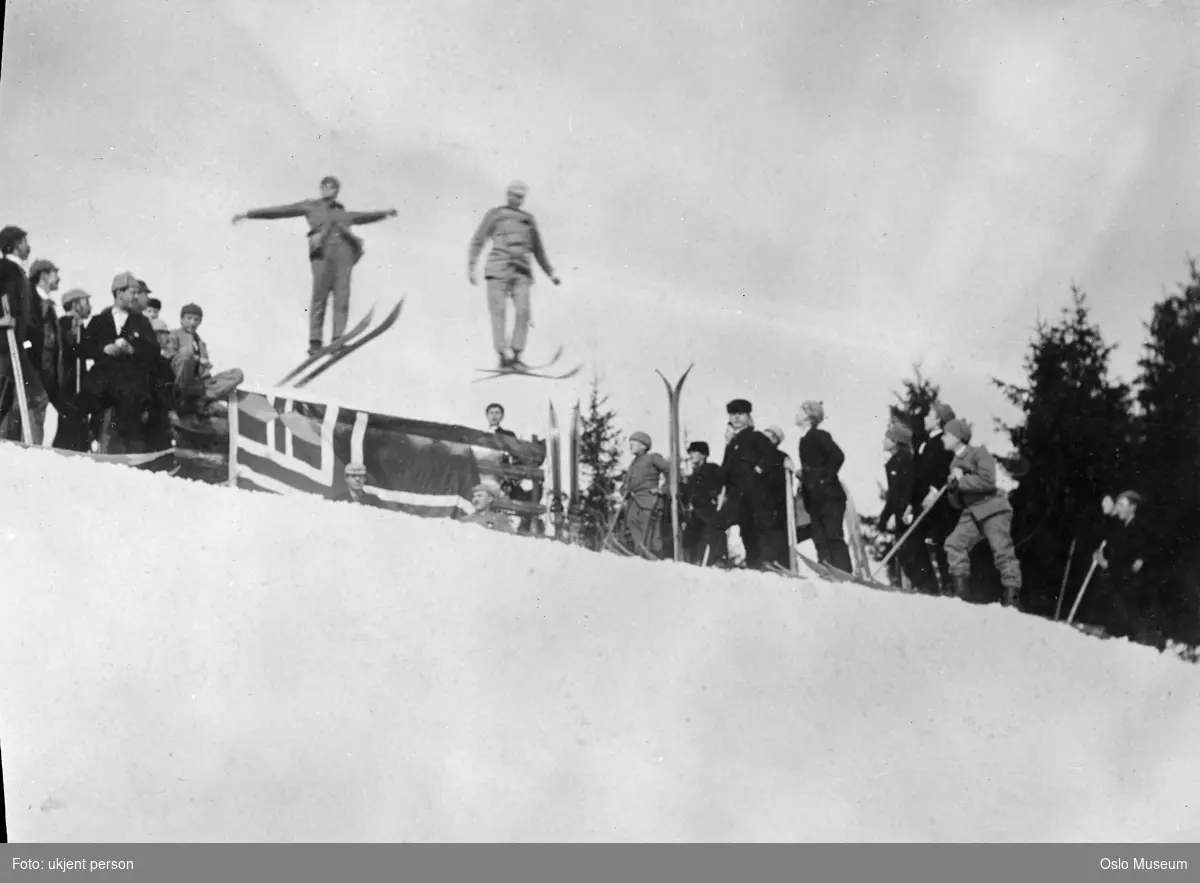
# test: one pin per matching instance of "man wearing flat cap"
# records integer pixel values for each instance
(482, 498)
(123, 345)
(749, 459)
(26, 321)
(509, 275)
(43, 276)
(355, 476)
(333, 250)
(701, 493)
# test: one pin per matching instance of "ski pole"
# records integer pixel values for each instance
(900, 542)
(793, 562)
(1087, 579)
(1063, 587)
(612, 524)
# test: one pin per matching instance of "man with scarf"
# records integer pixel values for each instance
(333, 251)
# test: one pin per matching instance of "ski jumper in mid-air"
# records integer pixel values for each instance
(514, 234)
(332, 248)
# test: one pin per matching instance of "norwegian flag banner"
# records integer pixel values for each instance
(287, 445)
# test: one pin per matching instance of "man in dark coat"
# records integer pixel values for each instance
(26, 320)
(932, 467)
(72, 433)
(1121, 561)
(124, 346)
(700, 492)
(748, 453)
(824, 497)
(333, 250)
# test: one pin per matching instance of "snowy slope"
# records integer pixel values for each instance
(185, 662)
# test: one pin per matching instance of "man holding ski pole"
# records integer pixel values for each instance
(333, 251)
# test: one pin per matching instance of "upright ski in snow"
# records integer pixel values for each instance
(673, 403)
(554, 455)
(574, 503)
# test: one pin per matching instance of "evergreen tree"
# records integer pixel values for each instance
(1169, 461)
(1074, 436)
(599, 466)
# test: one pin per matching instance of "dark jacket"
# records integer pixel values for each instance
(932, 468)
(131, 374)
(900, 479)
(51, 347)
(328, 222)
(23, 306)
(746, 456)
(702, 488)
(820, 462)
(976, 491)
(1125, 544)
(70, 354)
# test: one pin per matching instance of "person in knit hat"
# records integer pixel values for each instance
(701, 494)
(201, 393)
(931, 466)
(821, 462)
(641, 490)
(333, 251)
(748, 466)
(985, 514)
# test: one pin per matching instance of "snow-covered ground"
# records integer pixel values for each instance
(183, 662)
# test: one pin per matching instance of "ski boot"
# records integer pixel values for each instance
(1012, 598)
(962, 586)
(515, 363)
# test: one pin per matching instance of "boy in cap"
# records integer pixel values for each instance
(482, 497)
(642, 488)
(701, 492)
(985, 514)
(333, 250)
(26, 321)
(821, 462)
(199, 389)
(515, 235)
(153, 307)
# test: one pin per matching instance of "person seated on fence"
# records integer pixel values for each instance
(483, 496)
(201, 392)
(355, 475)
(642, 490)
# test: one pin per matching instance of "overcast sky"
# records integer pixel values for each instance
(801, 198)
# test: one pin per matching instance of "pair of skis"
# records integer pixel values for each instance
(538, 371)
(346, 345)
(554, 454)
(673, 406)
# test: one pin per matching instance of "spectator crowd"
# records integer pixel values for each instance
(121, 381)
